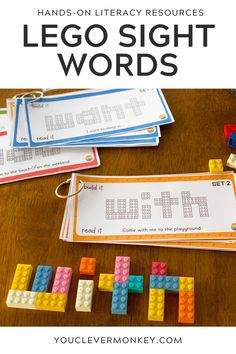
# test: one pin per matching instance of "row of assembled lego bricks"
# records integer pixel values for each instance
(119, 283)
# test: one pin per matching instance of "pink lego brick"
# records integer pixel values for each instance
(62, 280)
(122, 266)
(159, 268)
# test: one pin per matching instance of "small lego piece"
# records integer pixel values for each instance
(232, 141)
(84, 296)
(87, 266)
(164, 282)
(135, 284)
(21, 299)
(186, 307)
(119, 303)
(122, 265)
(156, 304)
(42, 278)
(105, 282)
(51, 302)
(216, 165)
(186, 284)
(159, 268)
(22, 277)
(229, 129)
(61, 284)
(231, 162)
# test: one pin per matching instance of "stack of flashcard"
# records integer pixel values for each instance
(189, 210)
(22, 163)
(120, 117)
(60, 133)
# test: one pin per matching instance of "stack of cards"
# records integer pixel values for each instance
(60, 133)
(108, 118)
(23, 163)
(190, 210)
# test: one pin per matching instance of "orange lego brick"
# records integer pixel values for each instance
(87, 266)
(186, 307)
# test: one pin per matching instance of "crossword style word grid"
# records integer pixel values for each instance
(25, 154)
(94, 115)
(165, 202)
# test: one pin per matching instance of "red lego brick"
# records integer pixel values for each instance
(159, 268)
(229, 129)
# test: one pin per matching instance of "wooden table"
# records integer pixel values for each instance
(31, 218)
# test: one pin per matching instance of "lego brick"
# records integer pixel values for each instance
(119, 303)
(84, 296)
(232, 141)
(61, 284)
(87, 266)
(21, 299)
(159, 268)
(229, 129)
(164, 282)
(186, 284)
(51, 302)
(231, 162)
(105, 282)
(135, 284)
(42, 278)
(156, 305)
(22, 277)
(122, 266)
(186, 307)
(216, 165)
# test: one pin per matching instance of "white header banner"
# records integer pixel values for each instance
(165, 44)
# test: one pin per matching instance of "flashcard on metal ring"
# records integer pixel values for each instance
(149, 208)
(80, 116)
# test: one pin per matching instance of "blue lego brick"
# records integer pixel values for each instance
(232, 141)
(165, 282)
(119, 303)
(42, 279)
(135, 284)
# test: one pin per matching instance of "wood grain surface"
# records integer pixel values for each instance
(31, 218)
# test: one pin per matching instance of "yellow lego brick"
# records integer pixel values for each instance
(186, 307)
(186, 284)
(22, 277)
(51, 302)
(156, 305)
(105, 282)
(216, 165)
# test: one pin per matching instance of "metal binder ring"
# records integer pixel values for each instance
(23, 94)
(68, 195)
(36, 95)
